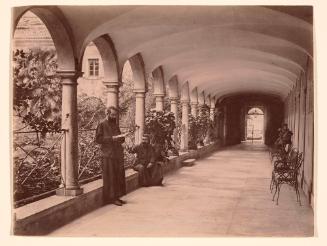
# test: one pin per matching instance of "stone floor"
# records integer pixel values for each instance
(225, 194)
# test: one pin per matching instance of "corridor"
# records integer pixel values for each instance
(225, 194)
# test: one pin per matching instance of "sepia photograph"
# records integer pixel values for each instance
(163, 121)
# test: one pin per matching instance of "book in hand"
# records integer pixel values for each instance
(120, 136)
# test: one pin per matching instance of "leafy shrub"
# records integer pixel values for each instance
(193, 132)
(160, 126)
(199, 127)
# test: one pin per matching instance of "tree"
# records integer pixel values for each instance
(37, 90)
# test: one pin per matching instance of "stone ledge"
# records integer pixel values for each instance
(45, 215)
(188, 163)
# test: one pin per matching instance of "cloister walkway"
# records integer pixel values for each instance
(225, 194)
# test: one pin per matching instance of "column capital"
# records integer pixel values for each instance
(174, 99)
(185, 102)
(194, 104)
(159, 94)
(69, 77)
(66, 74)
(110, 84)
(139, 94)
(159, 98)
(136, 91)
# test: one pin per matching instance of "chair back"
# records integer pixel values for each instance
(295, 159)
(292, 157)
(299, 161)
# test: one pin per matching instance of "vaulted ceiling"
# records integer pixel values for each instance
(219, 49)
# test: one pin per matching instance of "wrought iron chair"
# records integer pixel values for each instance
(280, 159)
(286, 172)
(280, 153)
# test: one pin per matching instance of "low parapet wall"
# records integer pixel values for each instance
(43, 216)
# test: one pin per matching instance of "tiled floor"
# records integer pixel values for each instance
(225, 194)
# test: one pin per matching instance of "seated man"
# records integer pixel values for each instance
(286, 135)
(150, 171)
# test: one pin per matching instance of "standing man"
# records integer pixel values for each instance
(108, 135)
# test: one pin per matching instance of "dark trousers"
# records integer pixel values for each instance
(149, 176)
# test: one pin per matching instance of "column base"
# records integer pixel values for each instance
(69, 192)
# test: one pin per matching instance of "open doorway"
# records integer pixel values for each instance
(254, 124)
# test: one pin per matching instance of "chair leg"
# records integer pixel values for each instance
(278, 187)
(298, 197)
(272, 182)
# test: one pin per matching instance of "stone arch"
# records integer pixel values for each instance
(201, 98)
(213, 101)
(158, 82)
(109, 58)
(255, 109)
(139, 76)
(194, 95)
(58, 30)
(208, 100)
(185, 92)
(173, 89)
(159, 88)
(194, 101)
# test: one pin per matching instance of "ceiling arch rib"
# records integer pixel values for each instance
(177, 62)
(224, 66)
(196, 40)
(255, 44)
(183, 17)
(203, 72)
(196, 79)
(212, 86)
(249, 85)
(246, 89)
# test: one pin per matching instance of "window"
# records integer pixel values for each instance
(93, 67)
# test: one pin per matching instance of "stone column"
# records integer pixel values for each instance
(174, 110)
(69, 147)
(184, 136)
(212, 109)
(201, 99)
(194, 102)
(112, 93)
(225, 126)
(174, 107)
(194, 109)
(159, 102)
(139, 115)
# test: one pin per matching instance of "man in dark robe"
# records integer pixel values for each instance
(149, 170)
(286, 135)
(108, 135)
